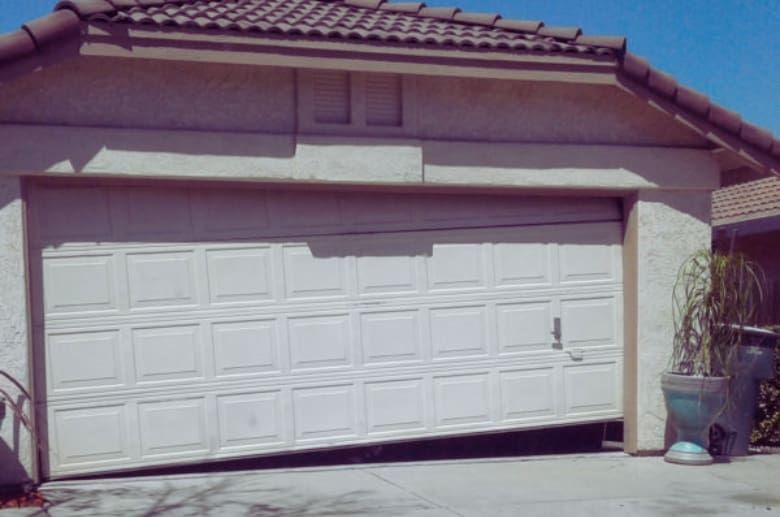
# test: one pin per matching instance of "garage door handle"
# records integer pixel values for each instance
(557, 333)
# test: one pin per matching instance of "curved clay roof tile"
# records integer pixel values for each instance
(85, 8)
(442, 13)
(529, 26)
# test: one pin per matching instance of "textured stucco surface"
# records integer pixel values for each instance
(148, 94)
(475, 109)
(16, 458)
(204, 96)
(198, 154)
(670, 226)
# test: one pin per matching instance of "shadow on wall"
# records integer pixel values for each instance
(11, 470)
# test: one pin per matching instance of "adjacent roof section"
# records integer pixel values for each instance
(746, 201)
(390, 23)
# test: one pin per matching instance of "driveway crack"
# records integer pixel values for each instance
(415, 494)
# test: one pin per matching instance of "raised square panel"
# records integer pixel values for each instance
(245, 347)
(380, 210)
(390, 336)
(524, 327)
(326, 412)
(167, 354)
(386, 275)
(65, 213)
(461, 399)
(161, 279)
(90, 435)
(172, 426)
(307, 276)
(591, 388)
(319, 342)
(155, 212)
(589, 322)
(395, 405)
(84, 360)
(79, 284)
(458, 332)
(521, 264)
(307, 210)
(586, 263)
(239, 275)
(527, 394)
(234, 212)
(456, 266)
(250, 419)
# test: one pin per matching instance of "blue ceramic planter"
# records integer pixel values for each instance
(693, 403)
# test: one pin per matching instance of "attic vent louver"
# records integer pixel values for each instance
(383, 100)
(332, 97)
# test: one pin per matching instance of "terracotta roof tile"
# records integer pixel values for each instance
(398, 23)
(746, 201)
(410, 23)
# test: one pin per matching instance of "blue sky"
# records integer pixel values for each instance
(728, 49)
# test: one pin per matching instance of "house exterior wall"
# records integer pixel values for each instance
(663, 228)
(215, 97)
(16, 449)
(186, 121)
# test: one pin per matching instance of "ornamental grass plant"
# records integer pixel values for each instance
(714, 296)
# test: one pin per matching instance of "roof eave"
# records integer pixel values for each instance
(742, 151)
(102, 39)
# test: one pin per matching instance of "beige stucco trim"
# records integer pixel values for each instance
(31, 149)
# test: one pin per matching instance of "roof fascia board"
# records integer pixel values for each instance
(166, 45)
(754, 158)
(750, 225)
(53, 55)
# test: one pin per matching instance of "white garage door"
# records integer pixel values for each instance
(179, 325)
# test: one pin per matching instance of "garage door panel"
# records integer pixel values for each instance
(592, 388)
(160, 279)
(459, 332)
(79, 360)
(391, 337)
(396, 405)
(173, 427)
(524, 327)
(522, 264)
(591, 322)
(85, 283)
(309, 276)
(157, 213)
(456, 266)
(83, 215)
(245, 347)
(240, 275)
(167, 354)
(383, 275)
(320, 342)
(265, 321)
(86, 436)
(251, 420)
(325, 412)
(462, 399)
(528, 394)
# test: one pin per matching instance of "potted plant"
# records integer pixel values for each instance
(715, 296)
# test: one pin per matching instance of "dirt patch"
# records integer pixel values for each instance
(33, 499)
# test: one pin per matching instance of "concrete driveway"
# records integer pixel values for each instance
(598, 485)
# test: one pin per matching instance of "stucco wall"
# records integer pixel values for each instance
(111, 92)
(663, 229)
(16, 458)
(153, 94)
(476, 109)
